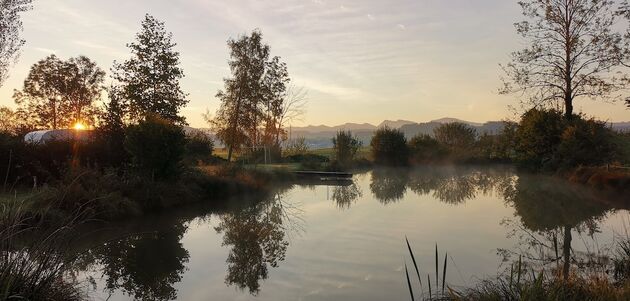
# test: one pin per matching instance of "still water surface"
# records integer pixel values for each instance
(347, 242)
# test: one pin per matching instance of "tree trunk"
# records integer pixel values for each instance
(566, 250)
(229, 158)
(568, 111)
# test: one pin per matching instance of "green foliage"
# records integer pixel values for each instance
(457, 138)
(585, 142)
(545, 139)
(345, 147)
(426, 149)
(149, 80)
(156, 146)
(255, 95)
(389, 147)
(538, 135)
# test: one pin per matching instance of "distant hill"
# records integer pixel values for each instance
(621, 126)
(395, 124)
(452, 120)
(325, 128)
(320, 136)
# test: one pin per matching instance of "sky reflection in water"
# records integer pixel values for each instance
(346, 242)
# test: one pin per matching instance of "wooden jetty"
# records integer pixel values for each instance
(324, 176)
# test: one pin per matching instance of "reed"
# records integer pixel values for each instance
(439, 295)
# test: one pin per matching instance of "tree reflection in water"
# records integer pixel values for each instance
(345, 196)
(389, 185)
(144, 266)
(257, 237)
(449, 185)
(549, 210)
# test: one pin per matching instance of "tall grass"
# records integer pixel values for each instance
(439, 295)
(33, 265)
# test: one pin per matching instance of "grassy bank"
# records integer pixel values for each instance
(114, 194)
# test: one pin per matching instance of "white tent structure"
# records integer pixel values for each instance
(44, 136)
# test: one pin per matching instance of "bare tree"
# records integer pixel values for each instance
(572, 53)
(293, 108)
(10, 29)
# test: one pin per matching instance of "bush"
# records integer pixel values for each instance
(457, 138)
(308, 161)
(538, 136)
(199, 147)
(546, 140)
(345, 147)
(425, 149)
(584, 143)
(296, 146)
(389, 147)
(156, 146)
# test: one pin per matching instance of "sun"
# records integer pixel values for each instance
(79, 126)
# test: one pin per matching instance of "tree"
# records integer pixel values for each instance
(458, 138)
(275, 82)
(236, 121)
(345, 147)
(425, 149)
(8, 120)
(538, 136)
(156, 146)
(149, 80)
(10, 29)
(294, 107)
(61, 93)
(572, 50)
(389, 147)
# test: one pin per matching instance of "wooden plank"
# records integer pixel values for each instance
(324, 174)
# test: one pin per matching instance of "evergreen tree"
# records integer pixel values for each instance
(149, 80)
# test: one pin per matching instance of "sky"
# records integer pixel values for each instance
(359, 60)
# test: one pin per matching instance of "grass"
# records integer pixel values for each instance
(363, 153)
(114, 194)
(521, 282)
(439, 295)
(38, 268)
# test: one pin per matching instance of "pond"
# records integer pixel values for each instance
(346, 241)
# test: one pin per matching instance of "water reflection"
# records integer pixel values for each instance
(257, 240)
(144, 266)
(389, 185)
(346, 195)
(548, 213)
(449, 185)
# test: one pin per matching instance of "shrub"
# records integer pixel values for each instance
(296, 146)
(425, 149)
(156, 147)
(457, 138)
(546, 140)
(389, 147)
(199, 147)
(584, 142)
(345, 147)
(538, 136)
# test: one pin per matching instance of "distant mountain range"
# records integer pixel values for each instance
(320, 136)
